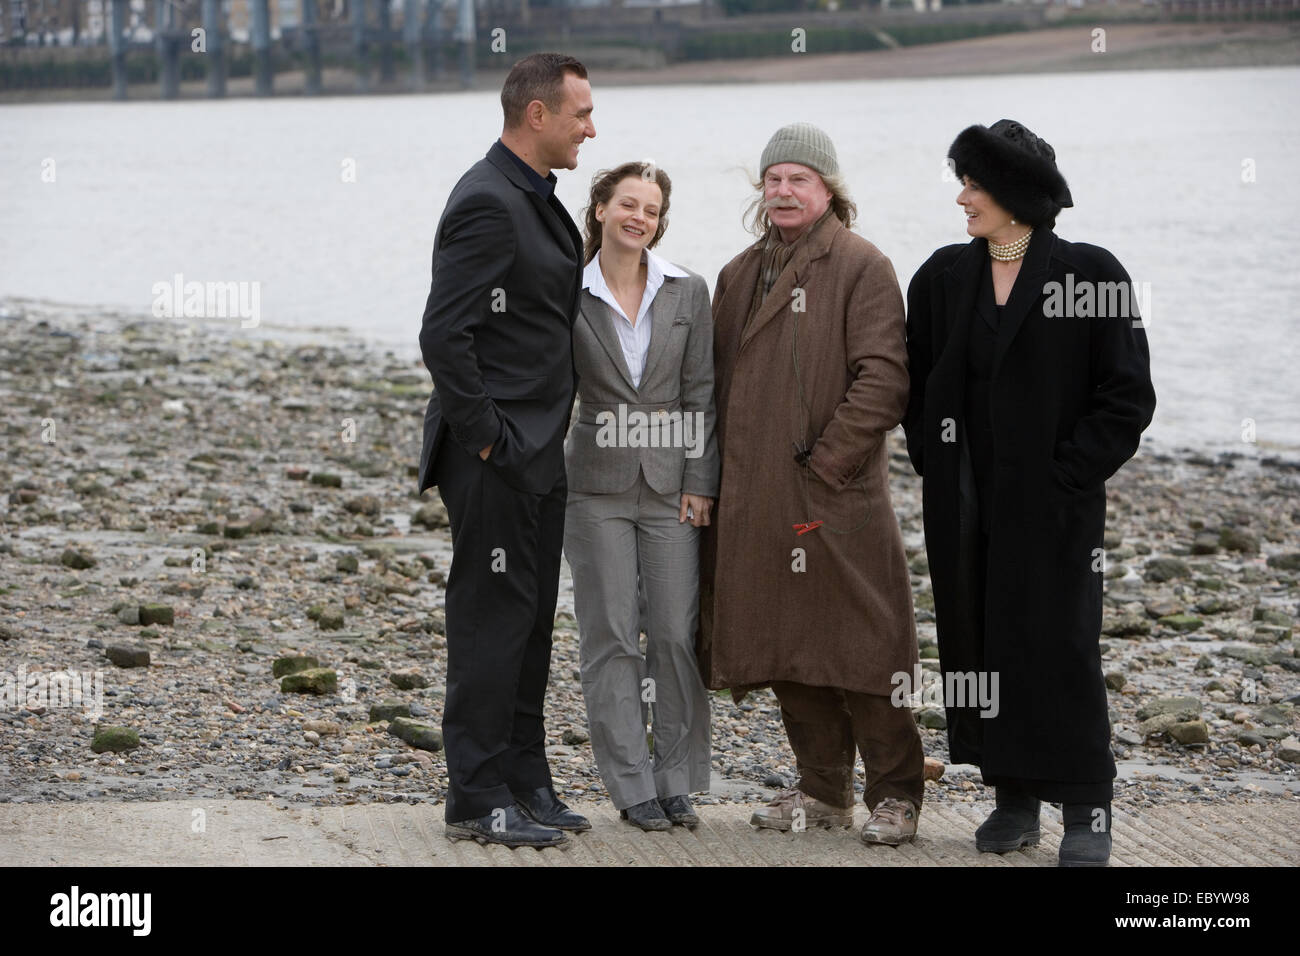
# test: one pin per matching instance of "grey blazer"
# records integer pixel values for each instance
(667, 425)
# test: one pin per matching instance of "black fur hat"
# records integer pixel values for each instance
(1015, 167)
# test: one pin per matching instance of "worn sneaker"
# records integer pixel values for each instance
(892, 822)
(795, 806)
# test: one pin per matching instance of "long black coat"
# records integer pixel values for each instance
(497, 332)
(1069, 399)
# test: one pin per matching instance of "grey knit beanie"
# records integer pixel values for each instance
(801, 143)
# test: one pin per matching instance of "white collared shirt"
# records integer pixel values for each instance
(635, 339)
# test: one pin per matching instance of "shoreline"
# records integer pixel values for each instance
(1058, 49)
(1265, 454)
(262, 493)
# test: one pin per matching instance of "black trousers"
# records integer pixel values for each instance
(501, 596)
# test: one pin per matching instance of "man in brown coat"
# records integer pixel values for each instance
(805, 585)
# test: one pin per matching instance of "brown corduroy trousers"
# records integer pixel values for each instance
(826, 725)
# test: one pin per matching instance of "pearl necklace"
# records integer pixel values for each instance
(1012, 250)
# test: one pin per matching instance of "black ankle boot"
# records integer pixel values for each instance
(1087, 834)
(1012, 825)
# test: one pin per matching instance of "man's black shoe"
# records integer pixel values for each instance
(543, 806)
(507, 826)
(679, 810)
(648, 815)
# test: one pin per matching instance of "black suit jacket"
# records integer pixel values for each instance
(497, 329)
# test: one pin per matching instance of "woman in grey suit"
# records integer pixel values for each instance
(642, 467)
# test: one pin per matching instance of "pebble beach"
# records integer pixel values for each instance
(215, 532)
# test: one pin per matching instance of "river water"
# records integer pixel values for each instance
(329, 206)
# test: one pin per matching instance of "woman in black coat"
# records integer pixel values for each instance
(1030, 386)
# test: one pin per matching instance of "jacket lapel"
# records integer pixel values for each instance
(600, 319)
(1026, 291)
(565, 233)
(662, 311)
(961, 282)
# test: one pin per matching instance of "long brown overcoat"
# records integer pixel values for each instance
(823, 362)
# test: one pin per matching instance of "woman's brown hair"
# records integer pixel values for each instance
(602, 191)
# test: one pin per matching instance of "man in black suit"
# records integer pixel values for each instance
(496, 337)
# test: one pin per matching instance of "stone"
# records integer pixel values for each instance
(1270, 615)
(408, 679)
(436, 622)
(1245, 654)
(389, 710)
(1239, 540)
(130, 614)
(293, 665)
(1275, 715)
(1127, 625)
(932, 719)
(1182, 623)
(1115, 680)
(1158, 724)
(1212, 605)
(156, 614)
(367, 505)
(1206, 542)
(114, 740)
(126, 655)
(1288, 750)
(77, 560)
(1184, 708)
(1162, 607)
(1160, 570)
(326, 480)
(420, 735)
(1285, 562)
(316, 680)
(432, 515)
(933, 769)
(326, 728)
(346, 563)
(1269, 634)
(262, 522)
(574, 738)
(1190, 732)
(331, 619)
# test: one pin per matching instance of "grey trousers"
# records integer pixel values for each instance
(623, 548)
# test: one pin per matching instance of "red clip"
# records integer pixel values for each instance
(803, 529)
